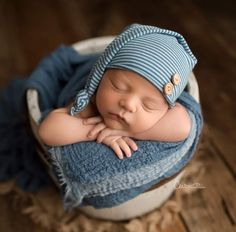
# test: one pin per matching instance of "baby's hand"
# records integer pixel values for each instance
(116, 139)
(98, 125)
(119, 144)
(100, 130)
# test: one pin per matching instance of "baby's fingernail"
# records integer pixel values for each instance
(129, 155)
(121, 157)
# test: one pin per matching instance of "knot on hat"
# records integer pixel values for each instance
(81, 101)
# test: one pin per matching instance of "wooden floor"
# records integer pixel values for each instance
(30, 29)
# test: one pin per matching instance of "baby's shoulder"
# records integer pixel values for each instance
(179, 108)
(180, 117)
(180, 111)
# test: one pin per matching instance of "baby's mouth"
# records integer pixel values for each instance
(117, 117)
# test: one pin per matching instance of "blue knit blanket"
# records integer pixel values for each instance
(90, 173)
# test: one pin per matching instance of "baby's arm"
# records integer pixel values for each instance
(174, 126)
(59, 128)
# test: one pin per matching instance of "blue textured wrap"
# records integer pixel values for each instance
(91, 174)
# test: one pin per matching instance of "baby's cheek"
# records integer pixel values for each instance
(137, 128)
(142, 124)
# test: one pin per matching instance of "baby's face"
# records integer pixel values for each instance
(127, 94)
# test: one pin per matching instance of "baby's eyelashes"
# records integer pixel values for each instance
(119, 86)
(151, 106)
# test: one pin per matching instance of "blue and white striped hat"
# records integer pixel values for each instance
(161, 56)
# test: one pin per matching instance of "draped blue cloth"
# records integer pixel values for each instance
(56, 80)
(18, 157)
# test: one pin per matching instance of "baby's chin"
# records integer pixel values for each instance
(113, 124)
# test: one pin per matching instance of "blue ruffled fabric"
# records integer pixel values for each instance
(18, 156)
(56, 79)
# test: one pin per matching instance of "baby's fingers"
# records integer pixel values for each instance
(131, 143)
(116, 148)
(97, 128)
(92, 120)
(110, 132)
(103, 134)
(125, 147)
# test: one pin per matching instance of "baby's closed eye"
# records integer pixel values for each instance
(119, 86)
(151, 106)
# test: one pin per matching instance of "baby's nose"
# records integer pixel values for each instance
(129, 103)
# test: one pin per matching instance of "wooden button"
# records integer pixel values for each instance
(176, 79)
(168, 88)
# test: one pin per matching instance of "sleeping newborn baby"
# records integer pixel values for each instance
(130, 93)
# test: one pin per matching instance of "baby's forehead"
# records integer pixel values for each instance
(134, 81)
